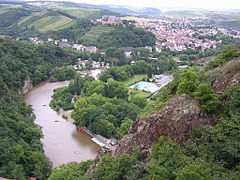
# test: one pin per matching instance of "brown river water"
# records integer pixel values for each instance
(62, 143)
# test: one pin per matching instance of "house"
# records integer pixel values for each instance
(149, 48)
(64, 40)
(56, 42)
(128, 51)
(79, 47)
(182, 67)
(50, 40)
(152, 59)
(106, 19)
(64, 45)
(91, 49)
(110, 18)
(158, 48)
(35, 40)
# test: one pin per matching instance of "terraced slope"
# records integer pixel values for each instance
(95, 32)
(49, 23)
(54, 19)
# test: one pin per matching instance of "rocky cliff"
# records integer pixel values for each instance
(27, 85)
(176, 120)
(226, 75)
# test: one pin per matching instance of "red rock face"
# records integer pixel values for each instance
(230, 74)
(175, 121)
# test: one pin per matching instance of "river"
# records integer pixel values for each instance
(61, 142)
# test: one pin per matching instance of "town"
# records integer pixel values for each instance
(171, 34)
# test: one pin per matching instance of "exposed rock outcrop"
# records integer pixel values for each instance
(176, 120)
(27, 85)
(230, 74)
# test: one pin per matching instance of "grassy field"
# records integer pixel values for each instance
(138, 93)
(77, 12)
(81, 13)
(95, 32)
(134, 79)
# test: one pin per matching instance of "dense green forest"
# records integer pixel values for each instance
(62, 97)
(104, 107)
(126, 37)
(21, 150)
(20, 61)
(209, 152)
(62, 73)
(10, 17)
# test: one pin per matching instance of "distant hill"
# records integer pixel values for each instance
(185, 13)
(123, 10)
(26, 19)
(127, 10)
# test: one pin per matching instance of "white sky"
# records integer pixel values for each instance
(204, 4)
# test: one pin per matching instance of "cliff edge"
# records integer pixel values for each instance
(176, 120)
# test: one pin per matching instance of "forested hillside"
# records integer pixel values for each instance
(21, 150)
(126, 37)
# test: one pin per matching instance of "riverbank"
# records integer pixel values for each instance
(96, 138)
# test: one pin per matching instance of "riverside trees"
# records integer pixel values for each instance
(103, 107)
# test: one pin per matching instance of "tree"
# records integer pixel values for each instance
(116, 53)
(140, 53)
(218, 144)
(124, 127)
(126, 37)
(75, 86)
(71, 171)
(115, 89)
(62, 73)
(118, 73)
(93, 87)
(183, 57)
(208, 99)
(139, 101)
(188, 82)
(232, 103)
(41, 165)
(104, 76)
(61, 98)
(140, 67)
(105, 128)
(167, 157)
(121, 167)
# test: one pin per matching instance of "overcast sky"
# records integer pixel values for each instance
(205, 4)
